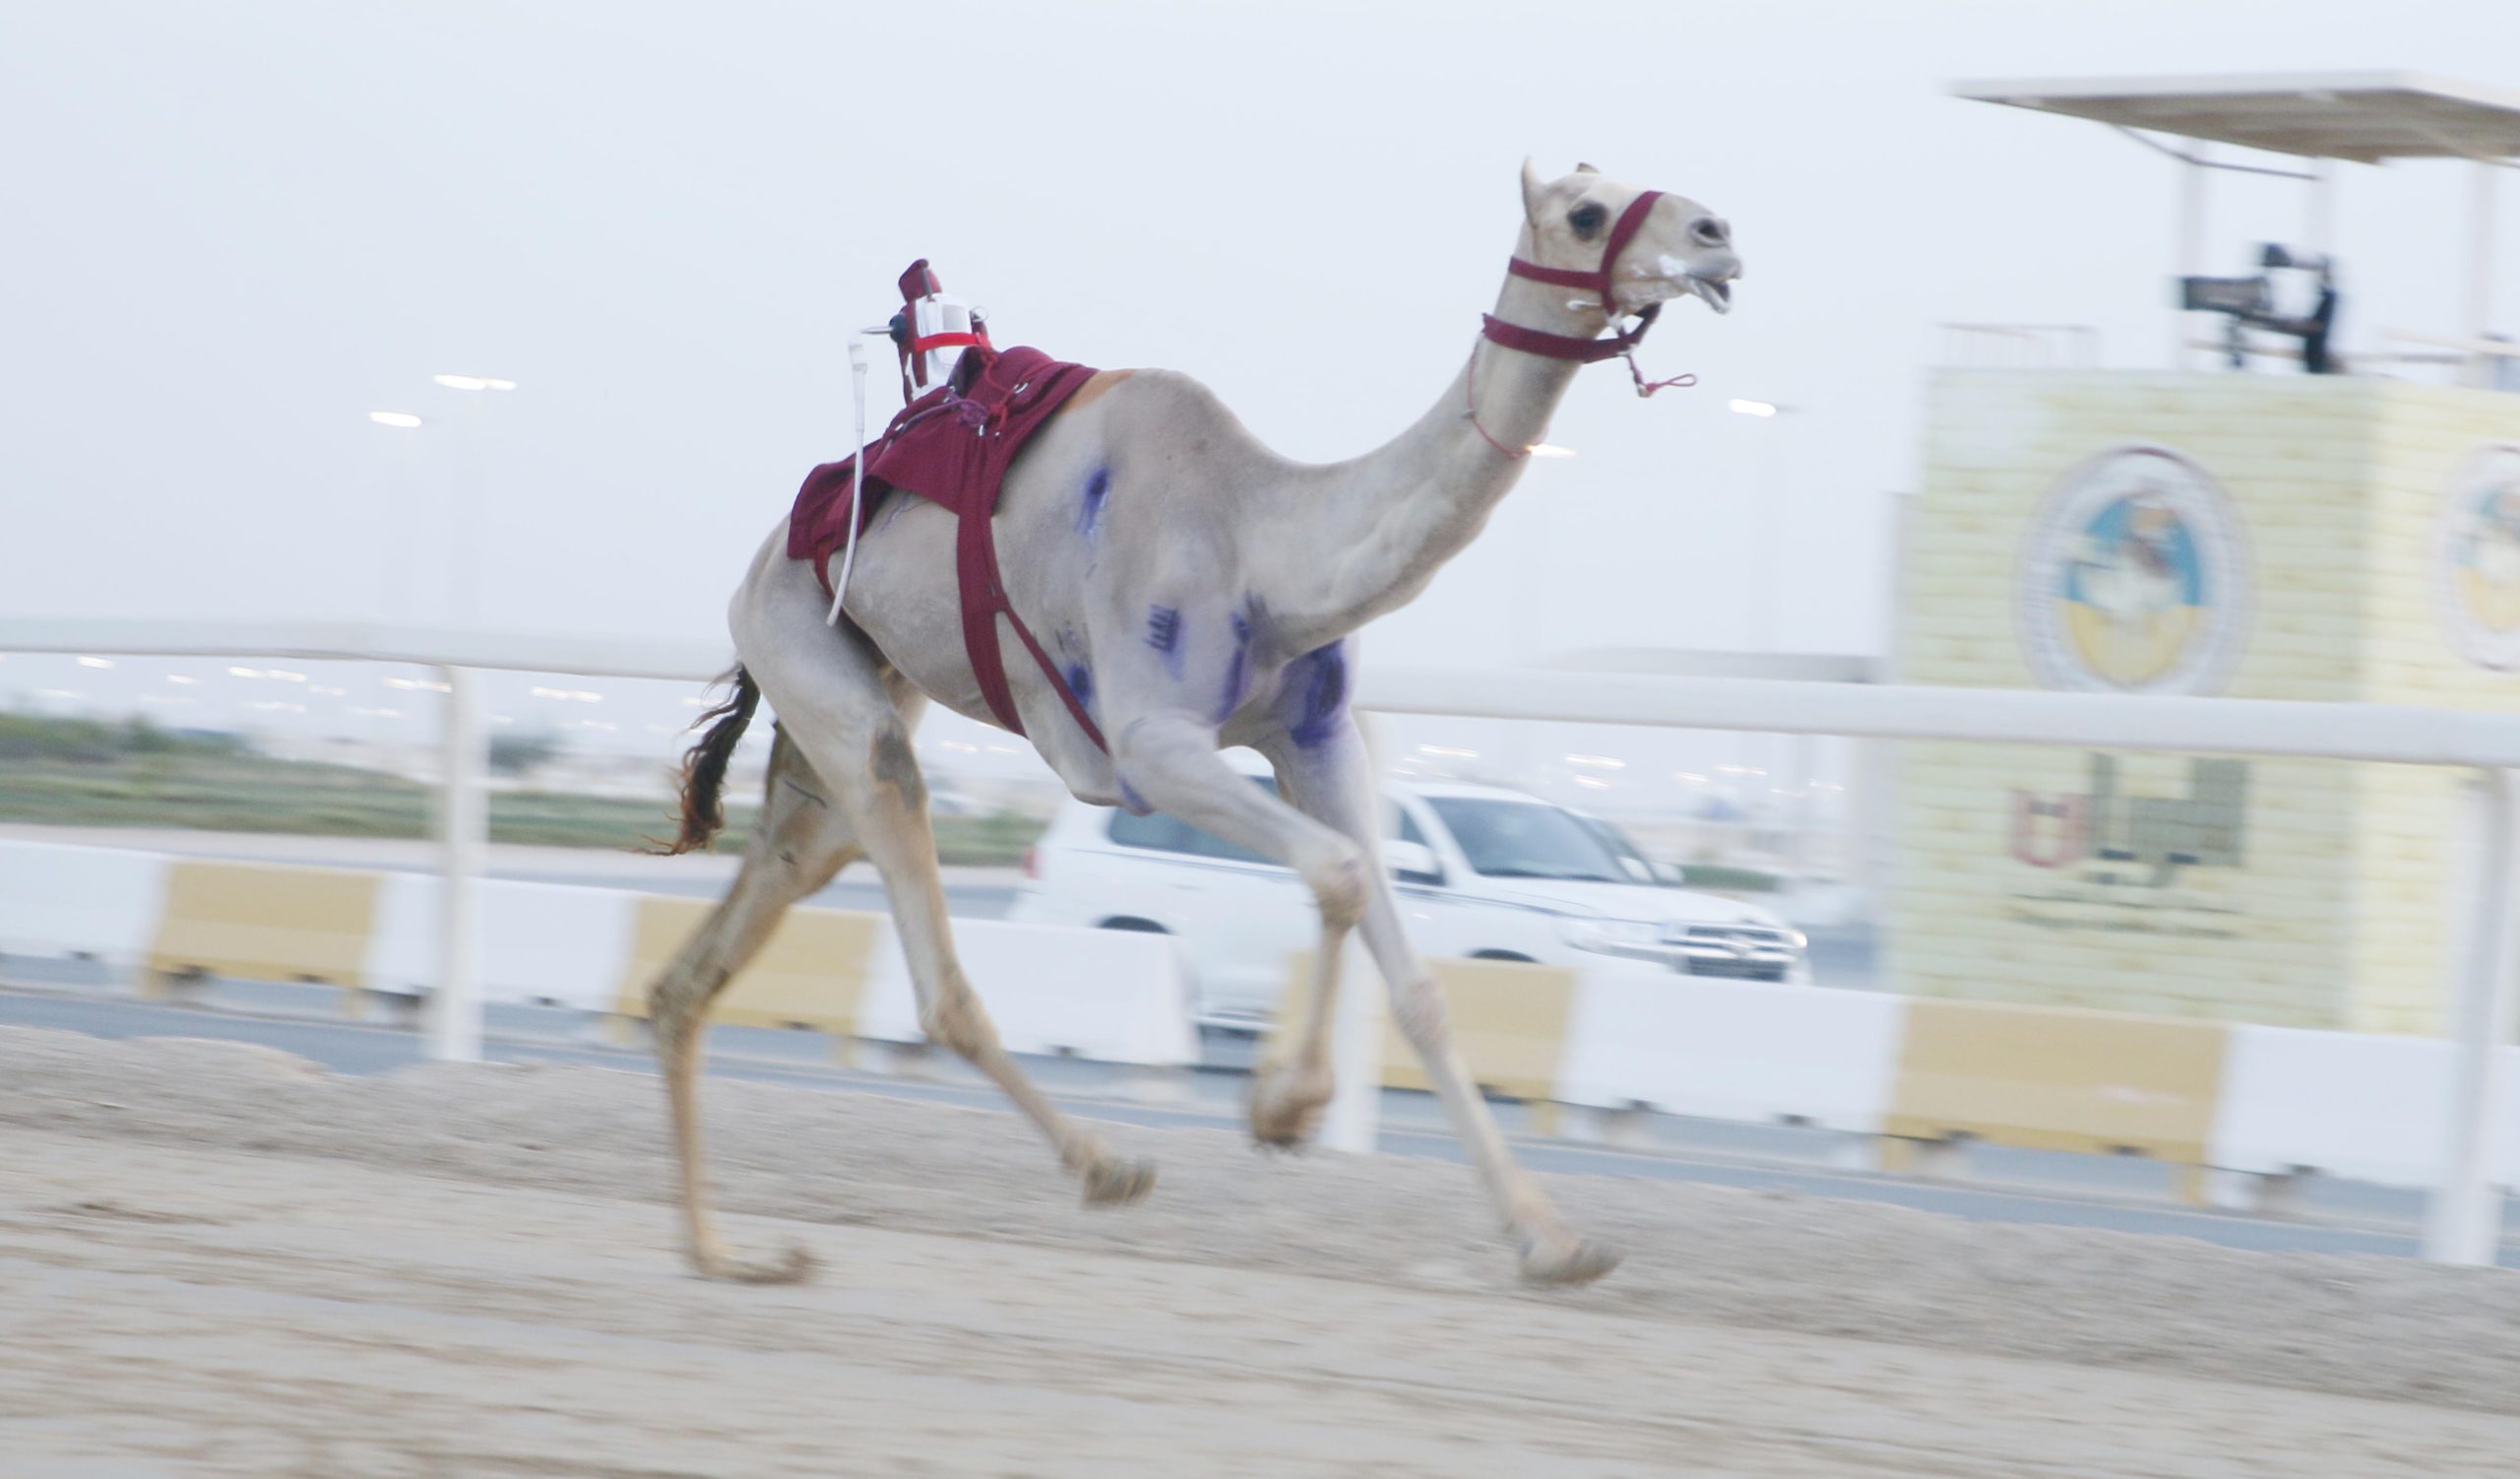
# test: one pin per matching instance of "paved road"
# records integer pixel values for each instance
(2017, 1187)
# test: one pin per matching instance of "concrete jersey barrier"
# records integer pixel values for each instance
(1928, 1072)
(1095, 994)
(2235, 1097)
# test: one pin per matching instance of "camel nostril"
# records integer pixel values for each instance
(1708, 230)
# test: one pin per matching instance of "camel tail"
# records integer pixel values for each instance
(704, 766)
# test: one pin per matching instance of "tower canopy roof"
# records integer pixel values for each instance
(2365, 116)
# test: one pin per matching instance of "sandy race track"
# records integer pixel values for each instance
(217, 1261)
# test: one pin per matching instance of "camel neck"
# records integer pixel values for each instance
(1376, 529)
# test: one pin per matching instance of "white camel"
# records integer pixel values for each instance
(1202, 592)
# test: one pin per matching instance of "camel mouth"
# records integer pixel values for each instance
(1711, 282)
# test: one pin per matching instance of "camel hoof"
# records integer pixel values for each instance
(1567, 1263)
(1115, 1183)
(793, 1268)
(1285, 1117)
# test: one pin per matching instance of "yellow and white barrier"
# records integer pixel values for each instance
(1112, 995)
(1928, 1071)
(2055, 1079)
(1095, 994)
(1510, 1020)
(264, 922)
(2260, 1100)
(60, 900)
(811, 973)
(2346, 1104)
(1732, 1049)
(547, 944)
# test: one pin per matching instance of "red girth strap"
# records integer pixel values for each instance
(983, 602)
(1599, 282)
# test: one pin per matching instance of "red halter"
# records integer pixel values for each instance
(1622, 343)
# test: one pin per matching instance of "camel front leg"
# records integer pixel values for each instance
(1334, 781)
(1332, 785)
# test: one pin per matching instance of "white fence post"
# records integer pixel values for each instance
(1352, 1121)
(455, 1005)
(2463, 1223)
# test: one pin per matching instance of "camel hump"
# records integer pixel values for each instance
(1167, 408)
(1095, 389)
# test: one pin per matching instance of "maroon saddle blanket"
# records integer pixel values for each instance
(952, 446)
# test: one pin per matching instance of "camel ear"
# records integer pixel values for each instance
(1534, 187)
(1586, 170)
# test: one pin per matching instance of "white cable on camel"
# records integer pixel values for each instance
(856, 475)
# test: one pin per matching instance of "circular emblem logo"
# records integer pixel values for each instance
(2132, 578)
(2478, 541)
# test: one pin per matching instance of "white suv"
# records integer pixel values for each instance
(1481, 871)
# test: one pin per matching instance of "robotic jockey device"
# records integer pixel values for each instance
(930, 336)
(932, 331)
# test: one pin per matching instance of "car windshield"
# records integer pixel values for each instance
(1526, 840)
(1631, 858)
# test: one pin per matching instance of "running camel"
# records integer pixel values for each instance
(1194, 591)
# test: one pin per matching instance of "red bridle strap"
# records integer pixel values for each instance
(1601, 283)
(1567, 346)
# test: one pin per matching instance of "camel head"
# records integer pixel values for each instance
(1681, 249)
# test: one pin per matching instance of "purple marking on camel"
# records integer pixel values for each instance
(1080, 681)
(1237, 669)
(1088, 513)
(1130, 798)
(1163, 634)
(1323, 674)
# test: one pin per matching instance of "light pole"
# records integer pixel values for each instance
(464, 552)
(1770, 495)
(454, 1023)
(1767, 574)
(398, 587)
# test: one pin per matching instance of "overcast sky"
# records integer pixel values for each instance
(232, 230)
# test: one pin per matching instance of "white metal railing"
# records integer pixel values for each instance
(373, 642)
(454, 1012)
(2464, 1216)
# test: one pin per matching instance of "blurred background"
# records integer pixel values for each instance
(524, 323)
(2067, 632)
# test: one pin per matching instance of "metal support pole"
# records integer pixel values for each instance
(1353, 1121)
(2191, 246)
(455, 1006)
(2463, 1223)
(2318, 220)
(2479, 293)
(1802, 759)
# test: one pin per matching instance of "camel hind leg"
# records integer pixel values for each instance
(801, 841)
(851, 716)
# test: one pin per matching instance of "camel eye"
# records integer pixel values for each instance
(1587, 221)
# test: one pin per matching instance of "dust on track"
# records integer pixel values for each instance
(217, 1259)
